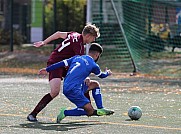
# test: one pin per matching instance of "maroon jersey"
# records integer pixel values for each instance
(71, 46)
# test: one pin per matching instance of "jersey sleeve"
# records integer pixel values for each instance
(63, 63)
(97, 71)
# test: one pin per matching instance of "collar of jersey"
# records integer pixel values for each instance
(90, 57)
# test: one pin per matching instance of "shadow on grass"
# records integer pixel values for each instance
(131, 120)
(58, 127)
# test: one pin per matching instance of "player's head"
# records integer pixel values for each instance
(90, 33)
(95, 50)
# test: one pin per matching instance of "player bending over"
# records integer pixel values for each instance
(80, 67)
(73, 44)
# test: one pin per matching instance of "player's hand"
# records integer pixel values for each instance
(109, 71)
(38, 44)
(43, 72)
(87, 81)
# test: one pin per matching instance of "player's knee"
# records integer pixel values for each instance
(54, 92)
(94, 84)
(90, 113)
(55, 85)
(89, 109)
(53, 95)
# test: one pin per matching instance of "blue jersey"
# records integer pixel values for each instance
(80, 68)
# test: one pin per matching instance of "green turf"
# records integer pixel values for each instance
(159, 99)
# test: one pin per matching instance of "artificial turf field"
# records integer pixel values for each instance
(159, 99)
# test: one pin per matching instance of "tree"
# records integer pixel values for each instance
(70, 16)
(7, 13)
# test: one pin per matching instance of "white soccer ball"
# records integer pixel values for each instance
(135, 112)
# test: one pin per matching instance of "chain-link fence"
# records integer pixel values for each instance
(145, 32)
(27, 21)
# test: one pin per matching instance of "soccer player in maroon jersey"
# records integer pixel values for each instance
(73, 86)
(72, 45)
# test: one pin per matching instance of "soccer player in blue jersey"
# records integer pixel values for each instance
(80, 67)
(73, 44)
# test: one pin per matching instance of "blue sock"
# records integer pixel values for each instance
(75, 112)
(96, 93)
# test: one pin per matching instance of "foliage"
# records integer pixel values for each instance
(70, 16)
(5, 35)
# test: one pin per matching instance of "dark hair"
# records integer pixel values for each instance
(96, 47)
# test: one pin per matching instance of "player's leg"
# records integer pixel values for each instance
(96, 93)
(92, 112)
(77, 97)
(87, 110)
(55, 89)
(55, 84)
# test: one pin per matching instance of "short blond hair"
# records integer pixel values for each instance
(91, 29)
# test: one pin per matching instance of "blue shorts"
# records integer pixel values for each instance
(76, 95)
(84, 87)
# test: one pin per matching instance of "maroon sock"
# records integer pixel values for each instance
(43, 102)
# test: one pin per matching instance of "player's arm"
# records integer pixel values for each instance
(57, 65)
(52, 37)
(63, 63)
(44, 71)
(97, 71)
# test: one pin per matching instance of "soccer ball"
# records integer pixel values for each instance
(135, 112)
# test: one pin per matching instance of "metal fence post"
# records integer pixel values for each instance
(55, 19)
(11, 25)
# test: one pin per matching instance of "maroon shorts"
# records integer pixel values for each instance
(61, 73)
(58, 73)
